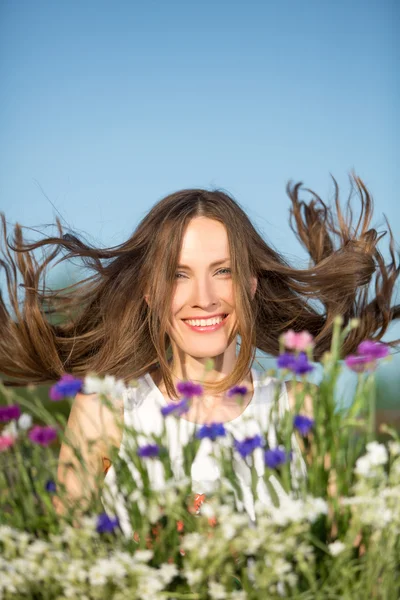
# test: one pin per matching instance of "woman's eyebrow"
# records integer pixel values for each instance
(214, 264)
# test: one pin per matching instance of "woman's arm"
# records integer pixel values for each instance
(92, 429)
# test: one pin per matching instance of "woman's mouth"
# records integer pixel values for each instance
(206, 325)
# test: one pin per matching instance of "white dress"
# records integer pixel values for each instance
(142, 412)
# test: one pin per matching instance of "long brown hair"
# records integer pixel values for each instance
(107, 326)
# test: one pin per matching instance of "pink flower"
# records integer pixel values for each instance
(6, 441)
(297, 341)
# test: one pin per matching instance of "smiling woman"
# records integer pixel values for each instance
(193, 276)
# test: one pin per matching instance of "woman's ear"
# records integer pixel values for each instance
(146, 297)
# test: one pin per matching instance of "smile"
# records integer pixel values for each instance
(206, 325)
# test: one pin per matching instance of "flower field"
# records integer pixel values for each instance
(312, 511)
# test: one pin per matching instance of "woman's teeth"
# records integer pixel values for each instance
(205, 322)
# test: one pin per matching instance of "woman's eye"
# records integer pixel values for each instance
(221, 271)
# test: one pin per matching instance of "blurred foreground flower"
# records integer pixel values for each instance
(297, 341)
(237, 390)
(148, 451)
(211, 431)
(105, 524)
(108, 386)
(42, 435)
(8, 413)
(66, 386)
(188, 389)
(6, 441)
(298, 364)
(368, 353)
(276, 457)
(303, 424)
(50, 486)
(248, 445)
(176, 409)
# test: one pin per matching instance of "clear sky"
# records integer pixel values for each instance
(107, 107)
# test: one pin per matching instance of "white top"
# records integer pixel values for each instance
(142, 412)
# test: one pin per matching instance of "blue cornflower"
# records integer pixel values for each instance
(276, 457)
(298, 364)
(211, 431)
(248, 445)
(189, 389)
(303, 424)
(176, 409)
(148, 451)
(286, 361)
(66, 386)
(50, 486)
(302, 365)
(237, 390)
(105, 524)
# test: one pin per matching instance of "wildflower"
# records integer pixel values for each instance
(6, 441)
(105, 524)
(8, 413)
(42, 435)
(10, 429)
(368, 352)
(188, 389)
(373, 349)
(377, 453)
(286, 361)
(25, 421)
(148, 451)
(248, 445)
(303, 424)
(50, 486)
(297, 341)
(336, 547)
(108, 386)
(240, 390)
(302, 365)
(66, 386)
(143, 555)
(298, 364)
(211, 431)
(176, 409)
(276, 457)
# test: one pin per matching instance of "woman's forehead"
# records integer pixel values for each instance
(204, 239)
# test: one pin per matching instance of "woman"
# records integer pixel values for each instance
(194, 256)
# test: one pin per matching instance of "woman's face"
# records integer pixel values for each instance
(203, 291)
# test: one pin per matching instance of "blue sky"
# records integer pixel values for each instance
(107, 107)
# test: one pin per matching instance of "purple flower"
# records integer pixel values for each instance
(66, 386)
(148, 451)
(105, 524)
(286, 361)
(373, 349)
(303, 424)
(302, 365)
(8, 413)
(248, 445)
(176, 409)
(276, 457)
(189, 389)
(50, 486)
(359, 364)
(211, 431)
(240, 390)
(368, 353)
(42, 435)
(298, 364)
